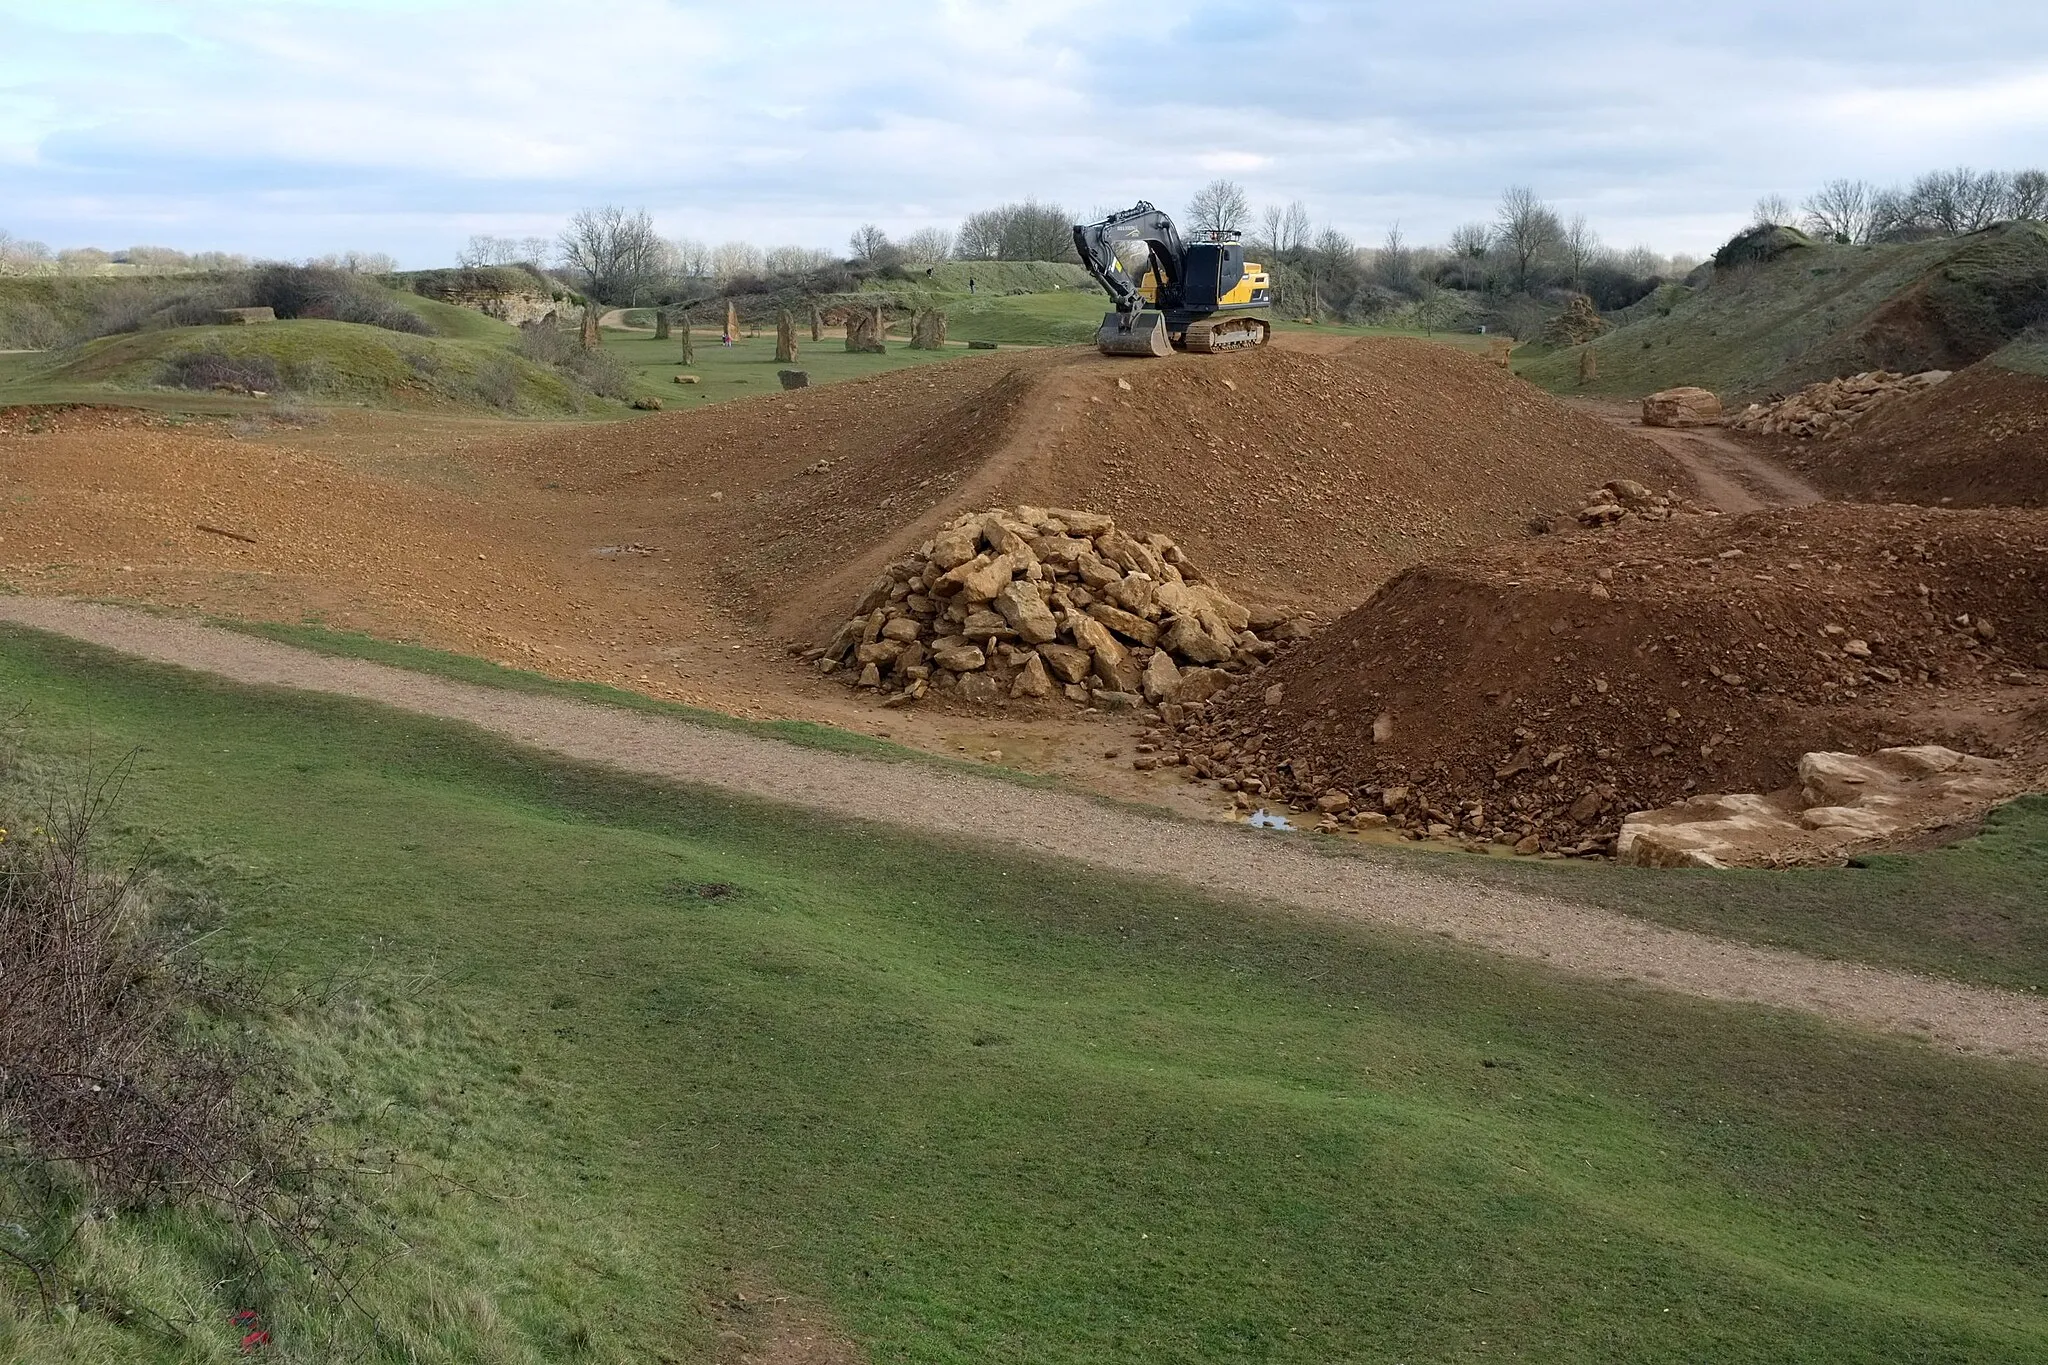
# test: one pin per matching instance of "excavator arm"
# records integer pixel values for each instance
(1097, 243)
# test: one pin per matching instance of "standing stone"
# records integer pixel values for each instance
(689, 352)
(817, 324)
(592, 338)
(661, 324)
(785, 338)
(732, 320)
(1589, 365)
(860, 332)
(928, 333)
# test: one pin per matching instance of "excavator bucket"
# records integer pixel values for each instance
(1134, 334)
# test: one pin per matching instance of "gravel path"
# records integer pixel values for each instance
(1222, 860)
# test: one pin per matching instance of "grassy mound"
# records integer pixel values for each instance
(332, 361)
(1821, 311)
(626, 1068)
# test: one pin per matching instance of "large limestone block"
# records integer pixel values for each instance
(1682, 407)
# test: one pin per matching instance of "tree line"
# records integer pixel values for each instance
(1938, 204)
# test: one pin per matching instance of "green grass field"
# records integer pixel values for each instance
(748, 366)
(620, 1052)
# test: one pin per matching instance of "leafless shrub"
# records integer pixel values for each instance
(594, 371)
(212, 367)
(121, 1071)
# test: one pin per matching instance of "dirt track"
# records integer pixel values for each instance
(1226, 861)
(1730, 475)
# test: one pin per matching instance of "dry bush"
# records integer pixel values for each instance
(211, 367)
(123, 1072)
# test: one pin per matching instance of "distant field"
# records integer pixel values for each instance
(470, 362)
(626, 1060)
(748, 366)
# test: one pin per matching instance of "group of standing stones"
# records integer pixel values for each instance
(1031, 602)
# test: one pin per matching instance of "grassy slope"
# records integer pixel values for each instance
(1972, 911)
(1751, 329)
(990, 1109)
(1809, 315)
(2026, 356)
(330, 361)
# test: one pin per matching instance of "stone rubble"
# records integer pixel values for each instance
(1032, 603)
(1826, 410)
(1843, 802)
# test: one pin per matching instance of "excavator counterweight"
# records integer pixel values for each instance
(1197, 296)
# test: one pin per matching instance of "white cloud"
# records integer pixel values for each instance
(296, 127)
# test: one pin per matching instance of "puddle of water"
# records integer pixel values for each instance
(1265, 819)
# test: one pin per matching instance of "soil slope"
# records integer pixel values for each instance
(1302, 480)
(1552, 688)
(1980, 439)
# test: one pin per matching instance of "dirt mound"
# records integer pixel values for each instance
(1536, 693)
(1302, 479)
(1978, 440)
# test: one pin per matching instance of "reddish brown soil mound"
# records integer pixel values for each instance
(1551, 687)
(1301, 479)
(1978, 440)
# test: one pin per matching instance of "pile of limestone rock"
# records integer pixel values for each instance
(1620, 500)
(1820, 411)
(1043, 603)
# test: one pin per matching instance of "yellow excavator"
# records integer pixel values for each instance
(1197, 296)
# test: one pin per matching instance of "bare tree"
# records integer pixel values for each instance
(928, 246)
(693, 258)
(1027, 231)
(1841, 210)
(1471, 240)
(1771, 211)
(981, 236)
(2026, 195)
(1957, 201)
(1579, 246)
(869, 245)
(730, 260)
(1284, 231)
(615, 254)
(795, 260)
(1219, 206)
(1526, 231)
(1395, 264)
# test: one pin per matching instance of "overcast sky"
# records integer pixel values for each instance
(290, 128)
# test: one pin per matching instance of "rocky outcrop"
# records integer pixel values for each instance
(1579, 323)
(1032, 603)
(1843, 802)
(1683, 407)
(1822, 411)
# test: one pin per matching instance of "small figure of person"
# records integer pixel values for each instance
(970, 284)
